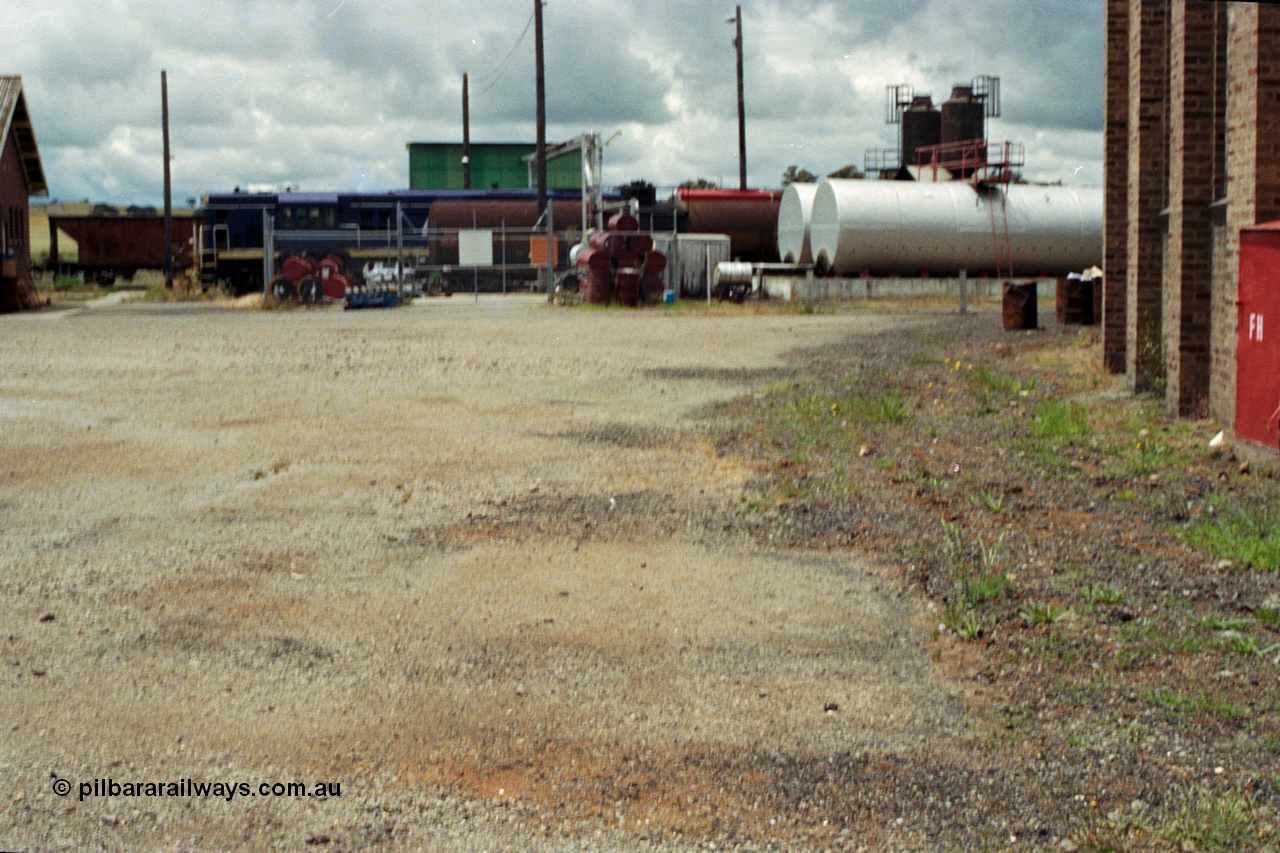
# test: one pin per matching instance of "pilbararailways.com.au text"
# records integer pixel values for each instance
(193, 788)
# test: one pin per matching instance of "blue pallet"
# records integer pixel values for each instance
(376, 299)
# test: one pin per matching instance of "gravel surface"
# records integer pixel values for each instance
(452, 557)
(518, 577)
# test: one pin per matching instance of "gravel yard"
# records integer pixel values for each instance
(519, 577)
(248, 546)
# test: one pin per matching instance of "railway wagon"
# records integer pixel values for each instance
(364, 228)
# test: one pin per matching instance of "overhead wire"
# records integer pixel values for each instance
(493, 77)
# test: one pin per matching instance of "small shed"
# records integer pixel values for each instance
(21, 176)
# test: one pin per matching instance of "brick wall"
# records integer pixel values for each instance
(1116, 179)
(1148, 158)
(1193, 142)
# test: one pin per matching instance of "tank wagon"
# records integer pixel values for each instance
(748, 217)
(939, 229)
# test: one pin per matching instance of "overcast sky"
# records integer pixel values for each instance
(325, 94)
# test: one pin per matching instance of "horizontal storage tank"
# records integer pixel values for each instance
(907, 228)
(794, 215)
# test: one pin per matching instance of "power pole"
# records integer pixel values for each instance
(168, 189)
(541, 87)
(466, 135)
(742, 109)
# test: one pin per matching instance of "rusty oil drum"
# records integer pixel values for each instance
(1019, 305)
(627, 282)
(622, 221)
(1075, 301)
(598, 289)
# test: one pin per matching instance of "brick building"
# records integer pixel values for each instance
(1192, 156)
(21, 177)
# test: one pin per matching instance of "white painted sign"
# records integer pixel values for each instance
(475, 248)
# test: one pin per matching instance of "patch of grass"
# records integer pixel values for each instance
(972, 583)
(984, 587)
(1043, 614)
(1182, 644)
(1247, 532)
(964, 621)
(1101, 594)
(992, 499)
(1217, 623)
(1182, 704)
(880, 407)
(1218, 821)
(1053, 419)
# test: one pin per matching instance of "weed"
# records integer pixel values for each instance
(963, 621)
(1043, 614)
(993, 499)
(1217, 623)
(1181, 704)
(1242, 645)
(1226, 820)
(985, 586)
(1052, 419)
(1101, 594)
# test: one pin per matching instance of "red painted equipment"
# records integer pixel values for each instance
(296, 269)
(1258, 346)
(336, 285)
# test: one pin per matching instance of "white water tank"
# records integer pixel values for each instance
(909, 228)
(794, 214)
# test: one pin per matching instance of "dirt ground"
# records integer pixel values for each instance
(513, 577)
(243, 545)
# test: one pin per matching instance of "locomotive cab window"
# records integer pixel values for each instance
(307, 216)
(375, 220)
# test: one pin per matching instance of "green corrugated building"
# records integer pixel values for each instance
(494, 165)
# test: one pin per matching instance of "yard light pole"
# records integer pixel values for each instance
(742, 108)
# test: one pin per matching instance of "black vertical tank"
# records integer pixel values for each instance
(963, 118)
(921, 126)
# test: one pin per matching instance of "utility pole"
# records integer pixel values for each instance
(742, 109)
(466, 135)
(168, 189)
(541, 87)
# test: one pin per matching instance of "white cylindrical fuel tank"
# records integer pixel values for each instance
(908, 228)
(794, 214)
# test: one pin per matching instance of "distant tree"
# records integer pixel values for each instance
(851, 171)
(699, 184)
(795, 175)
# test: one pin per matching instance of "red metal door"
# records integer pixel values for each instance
(1258, 346)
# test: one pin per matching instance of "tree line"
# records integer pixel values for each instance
(792, 175)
